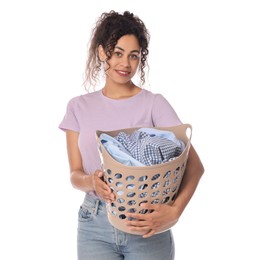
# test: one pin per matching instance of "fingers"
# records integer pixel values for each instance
(141, 217)
(141, 226)
(98, 173)
(101, 188)
(144, 223)
(151, 207)
(149, 234)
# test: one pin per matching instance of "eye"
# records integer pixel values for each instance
(134, 57)
(117, 54)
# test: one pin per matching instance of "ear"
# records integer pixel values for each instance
(101, 53)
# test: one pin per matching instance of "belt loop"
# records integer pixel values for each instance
(96, 207)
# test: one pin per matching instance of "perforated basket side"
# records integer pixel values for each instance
(135, 185)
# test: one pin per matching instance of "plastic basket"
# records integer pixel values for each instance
(133, 185)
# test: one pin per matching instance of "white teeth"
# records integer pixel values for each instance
(123, 72)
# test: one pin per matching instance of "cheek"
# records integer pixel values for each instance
(112, 63)
(109, 66)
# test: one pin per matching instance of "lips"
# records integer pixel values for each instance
(123, 73)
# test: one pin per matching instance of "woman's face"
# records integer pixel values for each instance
(124, 61)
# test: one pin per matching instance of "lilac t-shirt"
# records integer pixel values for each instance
(93, 111)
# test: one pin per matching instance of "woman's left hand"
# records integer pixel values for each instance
(162, 217)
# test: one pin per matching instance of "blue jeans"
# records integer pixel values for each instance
(98, 240)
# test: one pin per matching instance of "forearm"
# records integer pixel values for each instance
(163, 217)
(81, 181)
(194, 171)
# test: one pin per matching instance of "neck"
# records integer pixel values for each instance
(120, 91)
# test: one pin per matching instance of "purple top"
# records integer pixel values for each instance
(93, 111)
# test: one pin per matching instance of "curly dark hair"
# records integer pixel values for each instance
(109, 28)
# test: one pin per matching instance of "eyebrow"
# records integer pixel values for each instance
(117, 47)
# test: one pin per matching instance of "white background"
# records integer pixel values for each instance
(201, 60)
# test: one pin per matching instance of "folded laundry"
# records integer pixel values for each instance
(145, 146)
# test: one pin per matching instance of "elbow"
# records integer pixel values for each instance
(72, 180)
(75, 178)
(201, 169)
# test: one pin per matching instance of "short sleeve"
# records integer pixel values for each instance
(163, 114)
(70, 121)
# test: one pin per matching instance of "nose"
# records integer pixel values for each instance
(125, 61)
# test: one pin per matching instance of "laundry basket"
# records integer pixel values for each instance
(133, 185)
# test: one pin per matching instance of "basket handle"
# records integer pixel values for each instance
(188, 131)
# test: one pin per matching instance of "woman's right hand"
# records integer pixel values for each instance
(101, 189)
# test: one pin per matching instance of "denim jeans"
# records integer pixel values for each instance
(97, 239)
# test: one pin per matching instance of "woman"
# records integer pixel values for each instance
(119, 49)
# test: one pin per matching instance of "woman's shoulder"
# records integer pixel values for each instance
(152, 95)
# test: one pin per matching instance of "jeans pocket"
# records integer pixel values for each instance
(84, 214)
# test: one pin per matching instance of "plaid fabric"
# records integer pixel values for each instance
(149, 149)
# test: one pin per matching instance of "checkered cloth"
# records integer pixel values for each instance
(149, 149)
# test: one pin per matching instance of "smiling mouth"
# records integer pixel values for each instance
(123, 73)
